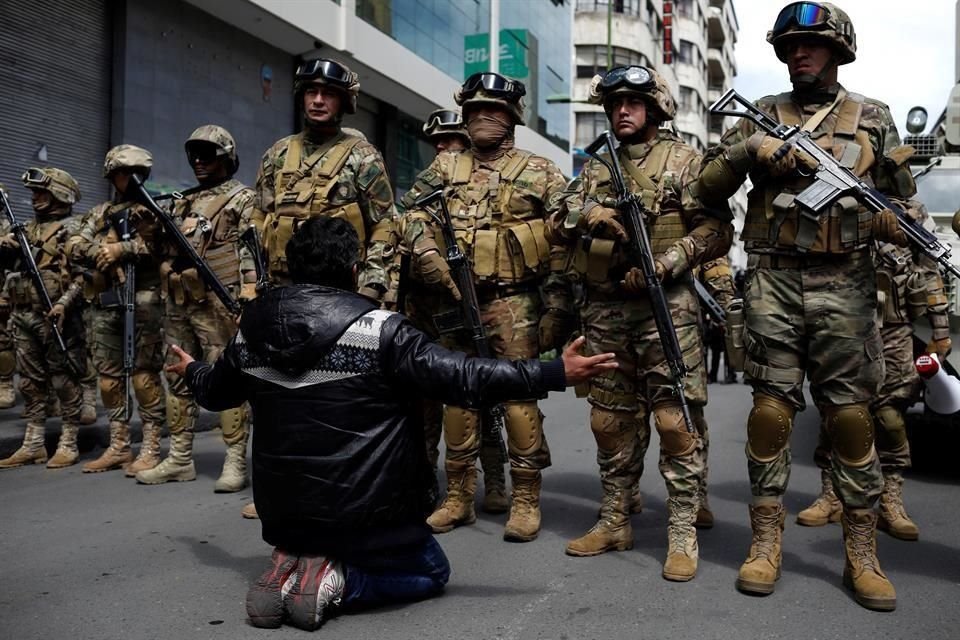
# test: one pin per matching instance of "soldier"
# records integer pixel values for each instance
(8, 357)
(41, 363)
(195, 320)
(617, 314)
(498, 198)
(810, 299)
(99, 253)
(908, 286)
(445, 130)
(322, 170)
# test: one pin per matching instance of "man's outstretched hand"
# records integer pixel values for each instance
(578, 368)
(180, 366)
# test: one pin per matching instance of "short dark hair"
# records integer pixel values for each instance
(323, 251)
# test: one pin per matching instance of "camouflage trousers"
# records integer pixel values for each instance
(107, 352)
(642, 385)
(202, 330)
(900, 389)
(43, 366)
(8, 356)
(511, 324)
(818, 321)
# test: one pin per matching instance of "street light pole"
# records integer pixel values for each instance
(609, 34)
(494, 55)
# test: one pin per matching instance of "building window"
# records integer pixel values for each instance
(686, 53)
(685, 8)
(592, 59)
(589, 127)
(626, 7)
(686, 99)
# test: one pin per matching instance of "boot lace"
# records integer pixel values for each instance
(766, 527)
(860, 543)
(893, 499)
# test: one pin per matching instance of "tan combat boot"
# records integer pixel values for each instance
(862, 573)
(524, 522)
(761, 570)
(177, 466)
(66, 454)
(612, 532)
(682, 549)
(826, 508)
(117, 455)
(494, 483)
(457, 508)
(893, 515)
(88, 407)
(249, 511)
(149, 456)
(8, 395)
(634, 503)
(233, 478)
(704, 512)
(31, 451)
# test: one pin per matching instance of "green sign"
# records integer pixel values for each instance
(513, 53)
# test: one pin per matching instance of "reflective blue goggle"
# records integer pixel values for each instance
(803, 14)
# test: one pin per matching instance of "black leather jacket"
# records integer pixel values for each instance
(339, 462)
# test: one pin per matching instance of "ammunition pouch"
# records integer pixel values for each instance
(279, 227)
(736, 349)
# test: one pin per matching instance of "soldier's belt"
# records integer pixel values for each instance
(489, 294)
(778, 261)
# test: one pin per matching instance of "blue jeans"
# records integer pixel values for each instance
(396, 575)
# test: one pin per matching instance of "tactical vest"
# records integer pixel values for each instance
(214, 236)
(143, 226)
(601, 261)
(44, 239)
(901, 291)
(498, 222)
(776, 224)
(304, 188)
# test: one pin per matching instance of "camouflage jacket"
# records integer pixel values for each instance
(683, 232)
(862, 136)
(47, 237)
(96, 230)
(362, 180)
(498, 209)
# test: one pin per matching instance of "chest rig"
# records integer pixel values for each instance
(775, 223)
(601, 261)
(308, 187)
(207, 225)
(44, 239)
(497, 216)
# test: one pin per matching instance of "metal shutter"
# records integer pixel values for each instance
(55, 71)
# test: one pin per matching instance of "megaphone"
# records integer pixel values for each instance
(942, 394)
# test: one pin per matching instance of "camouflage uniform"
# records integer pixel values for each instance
(661, 173)
(908, 287)
(41, 364)
(8, 357)
(498, 207)
(810, 298)
(101, 292)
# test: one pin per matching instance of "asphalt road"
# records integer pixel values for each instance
(98, 557)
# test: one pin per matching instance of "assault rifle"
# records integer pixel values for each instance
(709, 301)
(128, 303)
(251, 240)
(494, 422)
(634, 216)
(832, 180)
(138, 193)
(26, 254)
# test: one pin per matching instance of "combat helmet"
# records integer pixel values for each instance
(220, 138)
(635, 80)
(57, 182)
(820, 20)
(328, 72)
(491, 89)
(445, 122)
(127, 156)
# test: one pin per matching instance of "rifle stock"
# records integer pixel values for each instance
(492, 431)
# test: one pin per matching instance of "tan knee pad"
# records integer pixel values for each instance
(524, 427)
(233, 423)
(181, 413)
(147, 387)
(675, 440)
(611, 429)
(890, 429)
(768, 427)
(8, 363)
(111, 392)
(461, 428)
(851, 431)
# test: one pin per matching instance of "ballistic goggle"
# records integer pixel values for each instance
(807, 15)
(328, 70)
(444, 118)
(203, 152)
(494, 84)
(635, 77)
(35, 179)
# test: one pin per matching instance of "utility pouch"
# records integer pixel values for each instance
(736, 351)
(447, 322)
(109, 299)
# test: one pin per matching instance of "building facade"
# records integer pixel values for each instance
(83, 75)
